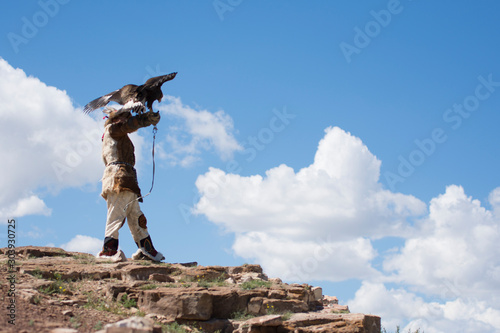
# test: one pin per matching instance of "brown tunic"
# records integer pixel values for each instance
(118, 156)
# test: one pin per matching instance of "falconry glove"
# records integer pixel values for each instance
(154, 117)
(146, 119)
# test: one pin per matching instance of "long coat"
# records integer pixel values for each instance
(118, 155)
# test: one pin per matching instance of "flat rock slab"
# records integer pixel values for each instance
(268, 320)
(38, 251)
(193, 304)
(134, 272)
(331, 322)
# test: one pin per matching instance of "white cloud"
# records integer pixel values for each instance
(195, 131)
(34, 232)
(454, 258)
(303, 260)
(337, 200)
(394, 306)
(45, 143)
(318, 224)
(26, 206)
(457, 245)
(397, 306)
(81, 243)
(494, 200)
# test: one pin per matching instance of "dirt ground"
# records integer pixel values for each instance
(40, 308)
(49, 313)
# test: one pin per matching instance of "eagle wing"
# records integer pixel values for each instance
(120, 96)
(129, 95)
(98, 102)
(157, 81)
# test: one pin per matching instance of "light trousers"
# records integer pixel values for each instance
(118, 211)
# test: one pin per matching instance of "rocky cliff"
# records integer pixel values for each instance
(51, 290)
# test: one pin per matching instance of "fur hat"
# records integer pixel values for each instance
(113, 114)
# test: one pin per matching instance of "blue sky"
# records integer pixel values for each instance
(344, 144)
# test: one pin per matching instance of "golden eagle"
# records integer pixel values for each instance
(132, 97)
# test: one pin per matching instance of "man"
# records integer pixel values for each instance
(120, 188)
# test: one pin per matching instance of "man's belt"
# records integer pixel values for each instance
(118, 163)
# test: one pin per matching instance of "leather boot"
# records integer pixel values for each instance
(110, 247)
(147, 250)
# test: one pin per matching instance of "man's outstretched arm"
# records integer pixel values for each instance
(134, 123)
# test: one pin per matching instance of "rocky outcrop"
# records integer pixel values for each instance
(201, 298)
